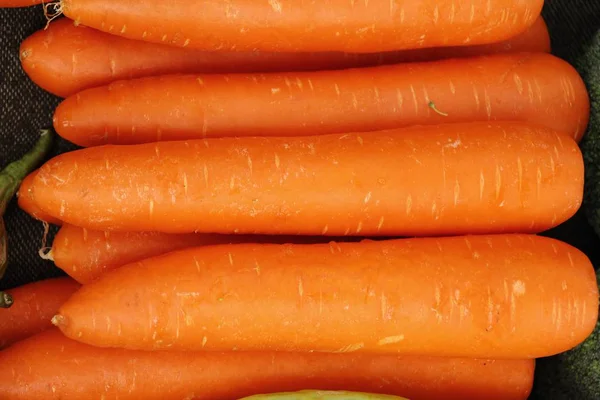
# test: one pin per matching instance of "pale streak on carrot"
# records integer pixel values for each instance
(360, 140)
(452, 13)
(576, 309)
(436, 14)
(456, 192)
(230, 256)
(277, 161)
(205, 170)
(186, 43)
(250, 165)
(351, 348)
(390, 340)
(530, 92)
(434, 210)
(408, 204)
(359, 227)
(558, 316)
(354, 101)
(325, 229)
(518, 83)
(108, 323)
(111, 28)
(368, 197)
(490, 304)
(498, 182)
(481, 185)
(402, 15)
(157, 151)
(472, 14)
(347, 232)
(468, 243)
(383, 307)
(538, 182)
(380, 225)
(164, 38)
(275, 90)
(452, 87)
(476, 95)
(520, 173)
(204, 341)
(392, 2)
(177, 325)
(488, 104)
(415, 101)
(310, 85)
(123, 29)
(85, 235)
(151, 208)
(62, 208)
(300, 288)
(439, 246)
(144, 35)
(158, 134)
(488, 8)
(399, 99)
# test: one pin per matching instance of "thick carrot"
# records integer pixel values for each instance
(18, 3)
(51, 366)
(87, 254)
(322, 395)
(429, 180)
(287, 25)
(34, 306)
(65, 59)
(536, 88)
(27, 204)
(480, 296)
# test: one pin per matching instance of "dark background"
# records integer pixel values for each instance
(24, 109)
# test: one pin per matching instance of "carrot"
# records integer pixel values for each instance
(65, 59)
(87, 254)
(27, 204)
(286, 25)
(18, 3)
(417, 181)
(33, 308)
(322, 395)
(51, 366)
(535, 88)
(481, 297)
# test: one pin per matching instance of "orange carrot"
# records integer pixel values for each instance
(287, 25)
(33, 308)
(86, 254)
(430, 180)
(65, 59)
(27, 204)
(480, 296)
(18, 3)
(536, 88)
(51, 366)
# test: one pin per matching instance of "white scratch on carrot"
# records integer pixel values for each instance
(360, 140)
(415, 101)
(472, 14)
(310, 85)
(530, 92)
(257, 267)
(452, 13)
(164, 38)
(62, 208)
(368, 197)
(408, 204)
(204, 341)
(108, 323)
(205, 171)
(434, 210)
(351, 348)
(384, 314)
(325, 229)
(490, 309)
(390, 340)
(347, 232)
(571, 262)
(277, 161)
(186, 43)
(481, 184)
(402, 15)
(144, 35)
(468, 243)
(359, 227)
(519, 288)
(380, 225)
(498, 181)
(354, 101)
(520, 173)
(518, 83)
(488, 104)
(85, 235)
(275, 90)
(456, 192)
(452, 87)
(476, 96)
(436, 14)
(230, 256)
(538, 182)
(399, 99)
(300, 288)
(377, 97)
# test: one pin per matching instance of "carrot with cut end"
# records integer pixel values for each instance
(51, 366)
(87, 254)
(429, 180)
(287, 25)
(65, 59)
(27, 204)
(34, 306)
(480, 296)
(534, 88)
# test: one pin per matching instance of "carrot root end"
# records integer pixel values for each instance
(52, 11)
(59, 321)
(6, 300)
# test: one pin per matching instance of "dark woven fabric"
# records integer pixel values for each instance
(24, 109)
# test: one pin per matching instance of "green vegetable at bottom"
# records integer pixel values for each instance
(10, 180)
(322, 395)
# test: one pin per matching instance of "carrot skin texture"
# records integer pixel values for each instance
(87, 254)
(46, 368)
(66, 59)
(27, 203)
(480, 296)
(418, 181)
(18, 3)
(534, 88)
(34, 306)
(286, 25)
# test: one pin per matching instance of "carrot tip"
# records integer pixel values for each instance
(59, 321)
(6, 300)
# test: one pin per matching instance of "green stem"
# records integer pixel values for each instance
(14, 173)
(10, 180)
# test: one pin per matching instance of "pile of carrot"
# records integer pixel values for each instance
(275, 197)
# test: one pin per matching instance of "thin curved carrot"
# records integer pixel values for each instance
(27, 204)
(419, 181)
(19, 3)
(87, 254)
(65, 59)
(34, 306)
(52, 367)
(288, 25)
(476, 296)
(535, 88)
